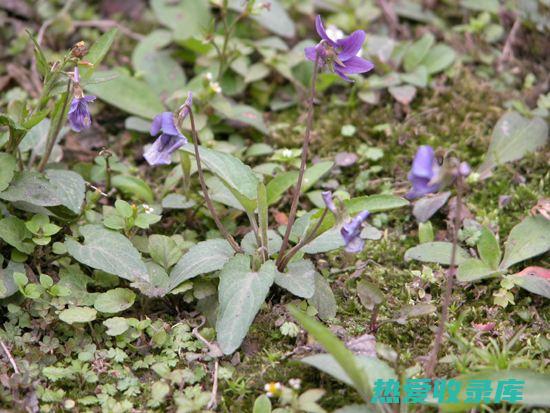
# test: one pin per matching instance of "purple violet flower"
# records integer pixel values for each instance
(424, 173)
(79, 115)
(327, 199)
(342, 55)
(170, 139)
(351, 232)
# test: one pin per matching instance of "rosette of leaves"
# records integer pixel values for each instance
(526, 240)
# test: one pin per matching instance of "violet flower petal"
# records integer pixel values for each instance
(356, 64)
(168, 126)
(79, 115)
(156, 125)
(423, 171)
(351, 45)
(340, 71)
(351, 232)
(160, 152)
(322, 32)
(327, 199)
(355, 246)
(423, 162)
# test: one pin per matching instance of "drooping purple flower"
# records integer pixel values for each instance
(170, 139)
(351, 232)
(341, 54)
(424, 173)
(79, 115)
(327, 199)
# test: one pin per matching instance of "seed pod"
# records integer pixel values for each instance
(79, 50)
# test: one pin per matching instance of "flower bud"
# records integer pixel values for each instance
(79, 50)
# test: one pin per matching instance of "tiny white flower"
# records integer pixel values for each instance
(295, 383)
(273, 389)
(208, 76)
(287, 153)
(215, 86)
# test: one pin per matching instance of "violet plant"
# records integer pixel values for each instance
(61, 81)
(263, 258)
(428, 175)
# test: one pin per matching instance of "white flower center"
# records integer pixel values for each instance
(335, 34)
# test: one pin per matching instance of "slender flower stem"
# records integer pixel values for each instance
(185, 163)
(107, 175)
(256, 231)
(373, 326)
(432, 358)
(106, 153)
(228, 32)
(202, 181)
(304, 241)
(305, 147)
(10, 357)
(55, 129)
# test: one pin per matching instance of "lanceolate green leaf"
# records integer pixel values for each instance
(337, 349)
(134, 187)
(205, 257)
(328, 241)
(7, 284)
(534, 389)
(533, 282)
(323, 299)
(488, 248)
(127, 93)
(14, 232)
(417, 51)
(299, 278)
(373, 368)
(528, 239)
(474, 270)
(97, 53)
(263, 214)
(70, 187)
(108, 251)
(241, 293)
(438, 58)
(241, 113)
(237, 176)
(282, 182)
(7, 169)
(374, 203)
(438, 251)
(187, 18)
(513, 137)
